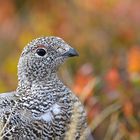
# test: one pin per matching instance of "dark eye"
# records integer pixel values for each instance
(41, 52)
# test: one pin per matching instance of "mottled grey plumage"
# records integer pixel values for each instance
(42, 106)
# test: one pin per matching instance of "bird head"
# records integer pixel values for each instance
(43, 56)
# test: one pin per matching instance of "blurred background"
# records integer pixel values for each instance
(106, 76)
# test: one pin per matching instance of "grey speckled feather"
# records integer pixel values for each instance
(6, 102)
(42, 106)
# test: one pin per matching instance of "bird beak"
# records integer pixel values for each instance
(71, 53)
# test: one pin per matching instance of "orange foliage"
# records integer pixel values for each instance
(134, 59)
(113, 79)
(128, 108)
(83, 77)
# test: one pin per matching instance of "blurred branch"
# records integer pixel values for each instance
(103, 115)
(118, 136)
(113, 126)
(88, 88)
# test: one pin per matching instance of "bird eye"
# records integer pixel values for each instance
(41, 52)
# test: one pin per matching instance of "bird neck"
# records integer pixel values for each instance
(52, 81)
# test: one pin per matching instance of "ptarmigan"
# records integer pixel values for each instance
(42, 107)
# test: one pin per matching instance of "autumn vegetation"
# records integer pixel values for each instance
(106, 75)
